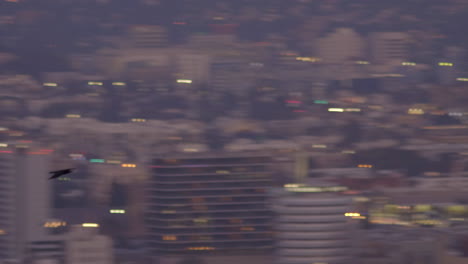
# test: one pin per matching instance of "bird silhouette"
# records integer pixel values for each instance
(58, 173)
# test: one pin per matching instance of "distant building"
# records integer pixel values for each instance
(85, 246)
(147, 36)
(209, 204)
(342, 45)
(193, 68)
(25, 200)
(228, 74)
(388, 47)
(311, 226)
(450, 66)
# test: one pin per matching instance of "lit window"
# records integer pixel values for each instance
(117, 211)
(90, 225)
(170, 238)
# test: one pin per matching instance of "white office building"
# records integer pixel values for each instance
(311, 225)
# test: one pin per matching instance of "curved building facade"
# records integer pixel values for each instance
(311, 225)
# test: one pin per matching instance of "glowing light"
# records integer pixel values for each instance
(97, 160)
(415, 111)
(95, 83)
(304, 188)
(446, 64)
(169, 238)
(352, 214)
(118, 83)
(319, 146)
(73, 116)
(50, 84)
(3, 145)
(364, 166)
(55, 224)
(362, 62)
(128, 165)
(408, 64)
(184, 81)
(352, 110)
(308, 59)
(462, 79)
(117, 211)
(138, 120)
(335, 110)
(320, 102)
(90, 225)
(190, 150)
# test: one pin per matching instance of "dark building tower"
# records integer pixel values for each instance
(209, 204)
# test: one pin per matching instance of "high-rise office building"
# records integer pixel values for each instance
(311, 226)
(209, 203)
(24, 200)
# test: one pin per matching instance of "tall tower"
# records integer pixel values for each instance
(25, 200)
(311, 225)
(209, 203)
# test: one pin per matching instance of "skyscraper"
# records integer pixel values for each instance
(25, 200)
(209, 203)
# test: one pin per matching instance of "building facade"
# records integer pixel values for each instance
(25, 200)
(311, 225)
(209, 204)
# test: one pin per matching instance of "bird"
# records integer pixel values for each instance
(58, 173)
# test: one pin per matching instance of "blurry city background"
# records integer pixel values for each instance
(240, 131)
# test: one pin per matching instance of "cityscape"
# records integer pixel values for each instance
(216, 131)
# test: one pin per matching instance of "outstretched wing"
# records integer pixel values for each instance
(56, 174)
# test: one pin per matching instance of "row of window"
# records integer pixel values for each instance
(201, 161)
(159, 200)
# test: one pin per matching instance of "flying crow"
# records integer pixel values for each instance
(56, 174)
